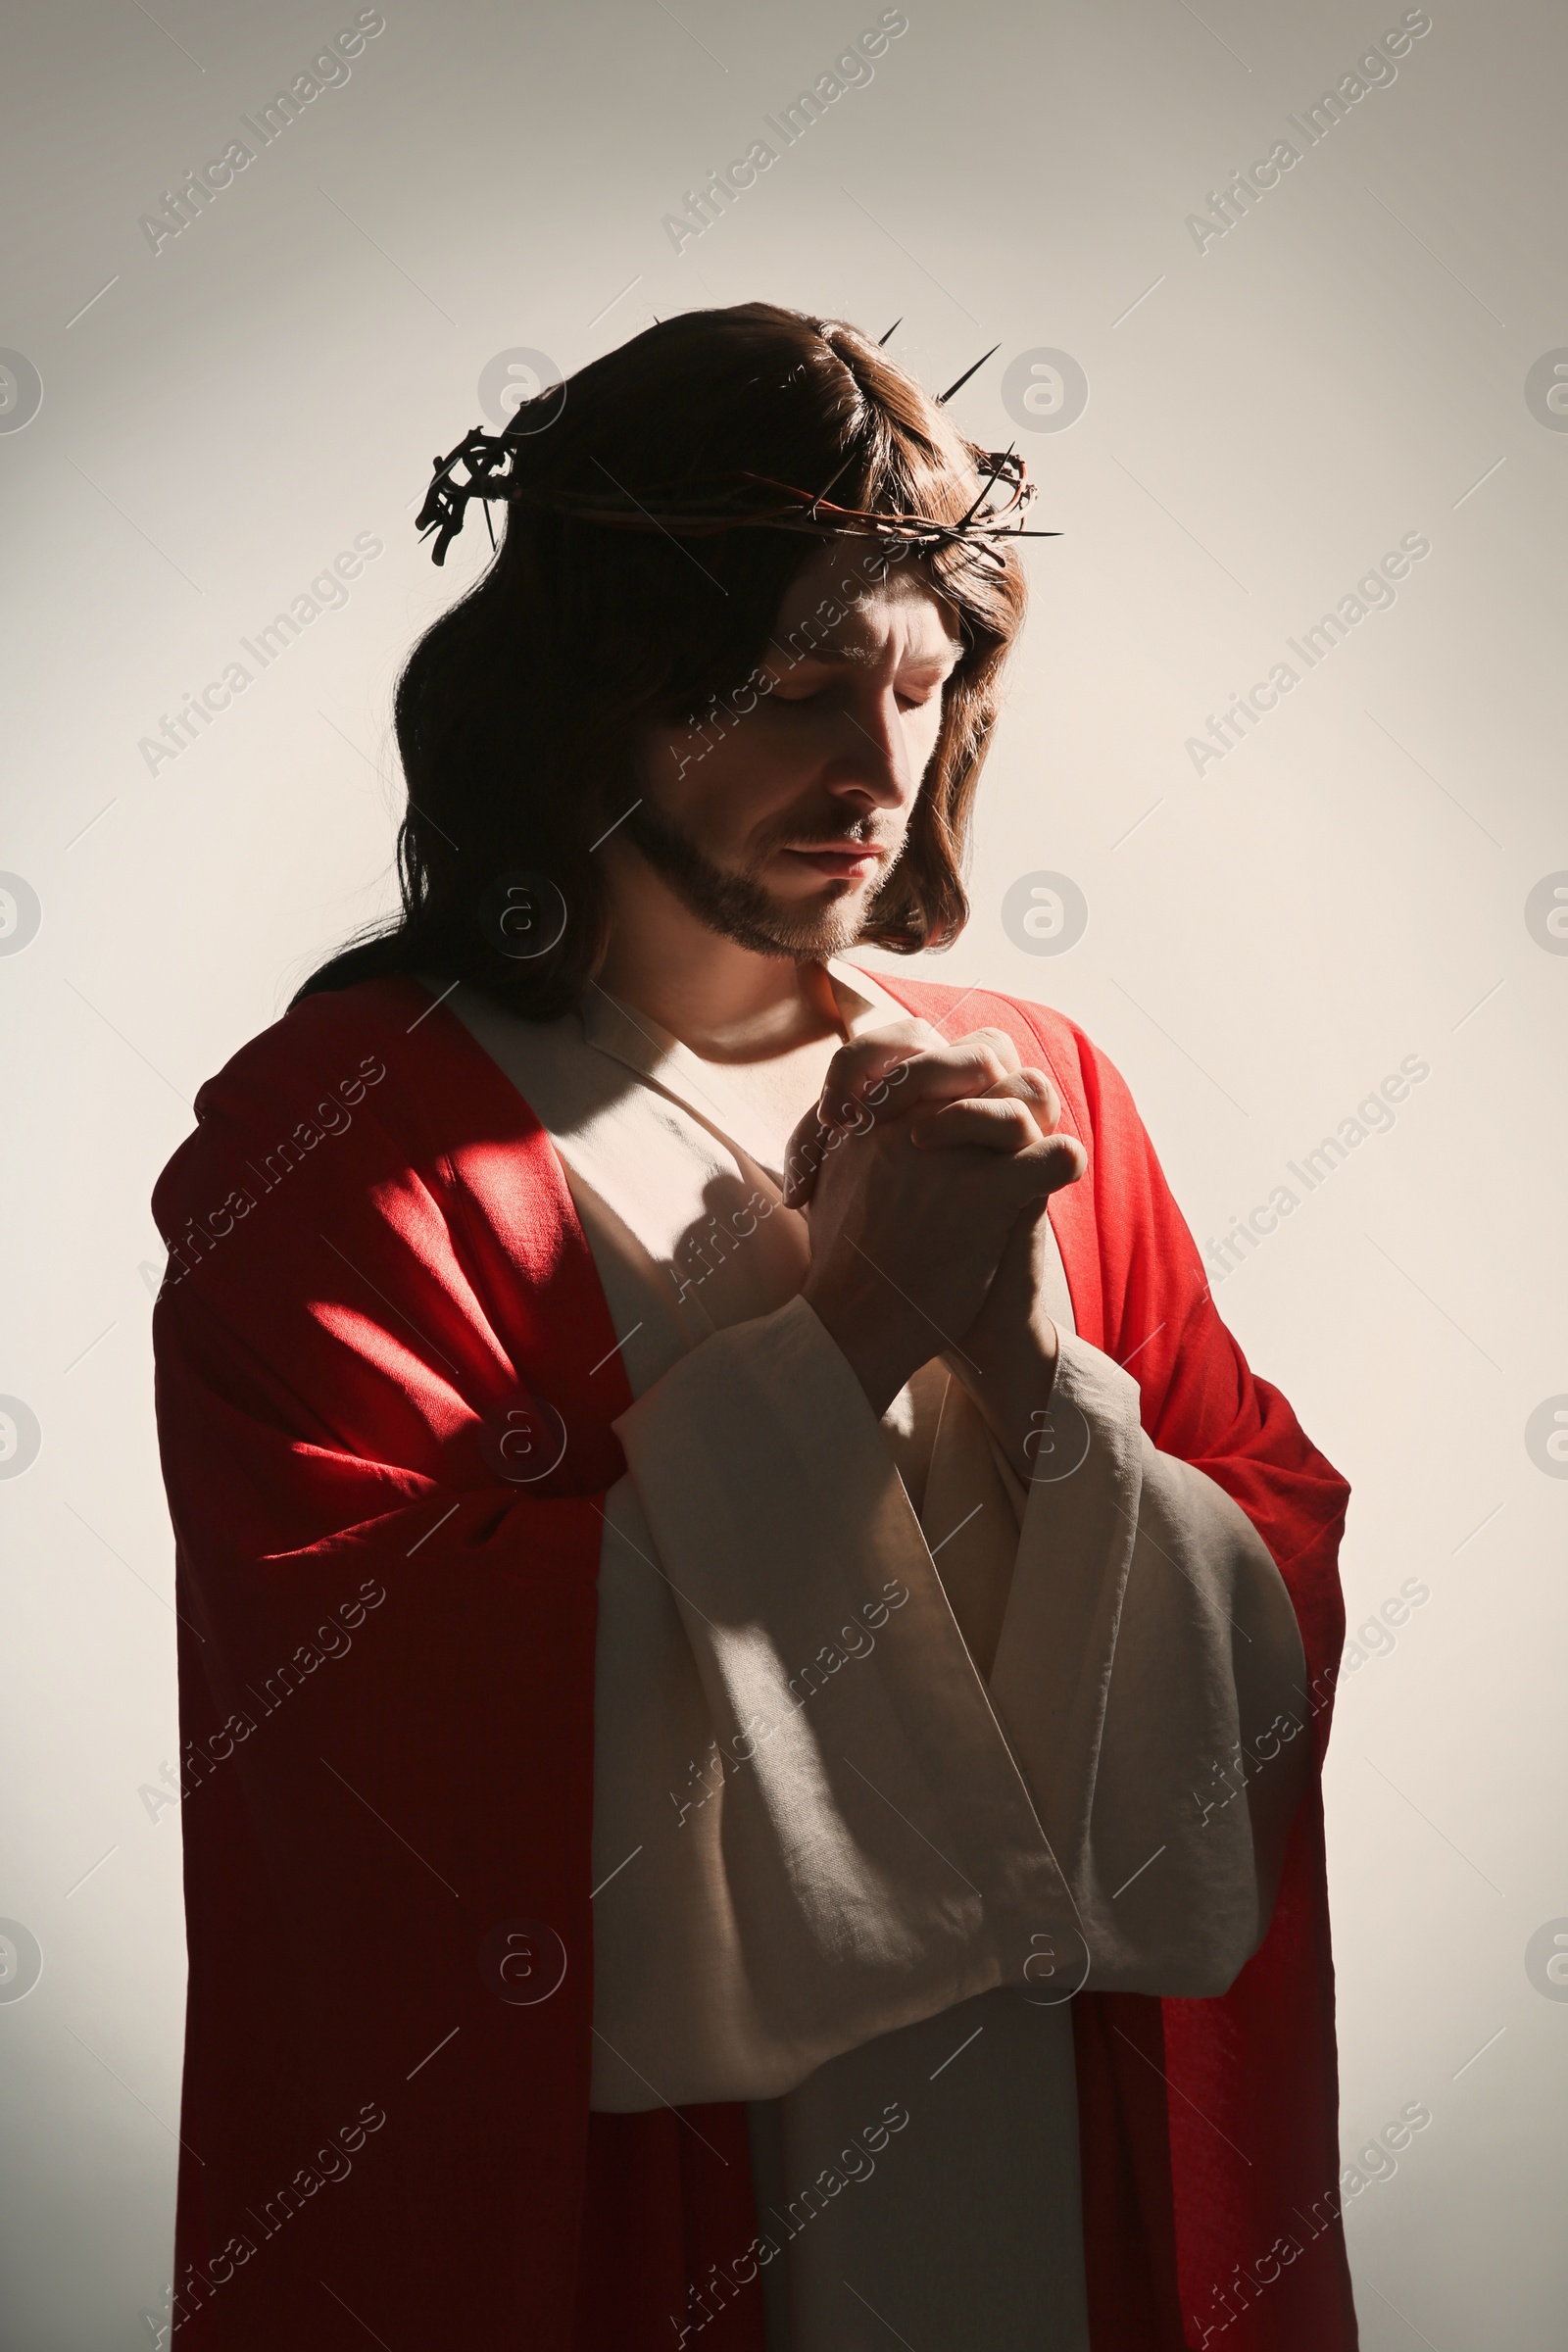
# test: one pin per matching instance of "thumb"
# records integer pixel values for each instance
(1049, 1167)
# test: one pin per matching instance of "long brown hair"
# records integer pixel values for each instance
(517, 712)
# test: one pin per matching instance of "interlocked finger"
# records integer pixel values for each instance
(889, 1074)
(996, 1122)
(954, 1121)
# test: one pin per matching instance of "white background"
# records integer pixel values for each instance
(1266, 940)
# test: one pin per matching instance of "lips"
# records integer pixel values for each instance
(850, 863)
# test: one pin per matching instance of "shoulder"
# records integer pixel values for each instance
(334, 1061)
(313, 1036)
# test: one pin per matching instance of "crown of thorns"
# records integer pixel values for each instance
(759, 502)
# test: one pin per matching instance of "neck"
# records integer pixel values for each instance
(722, 1001)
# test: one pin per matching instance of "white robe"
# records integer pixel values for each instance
(869, 1802)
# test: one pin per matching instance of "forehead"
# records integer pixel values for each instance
(898, 605)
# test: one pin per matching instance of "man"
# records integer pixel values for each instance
(754, 1659)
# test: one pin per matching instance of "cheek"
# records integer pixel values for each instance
(672, 757)
(728, 793)
(688, 762)
(751, 771)
(921, 731)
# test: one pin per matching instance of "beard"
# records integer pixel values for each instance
(737, 906)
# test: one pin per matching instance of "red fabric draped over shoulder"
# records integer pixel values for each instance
(1211, 2208)
(385, 1378)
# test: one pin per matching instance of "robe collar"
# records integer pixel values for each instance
(634, 1039)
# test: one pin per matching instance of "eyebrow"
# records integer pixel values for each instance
(845, 658)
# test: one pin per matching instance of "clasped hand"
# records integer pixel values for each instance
(924, 1171)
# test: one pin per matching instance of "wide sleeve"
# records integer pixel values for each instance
(876, 1830)
(1149, 1637)
(861, 1850)
(386, 1633)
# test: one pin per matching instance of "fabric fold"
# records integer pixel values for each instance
(869, 1851)
(1143, 1604)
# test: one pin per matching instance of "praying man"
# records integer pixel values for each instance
(754, 1659)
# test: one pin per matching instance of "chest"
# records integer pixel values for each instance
(776, 1094)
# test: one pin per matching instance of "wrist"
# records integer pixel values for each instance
(879, 1358)
(1010, 1375)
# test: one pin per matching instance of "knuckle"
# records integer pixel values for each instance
(843, 1071)
(998, 1042)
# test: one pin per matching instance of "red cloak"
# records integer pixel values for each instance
(386, 1656)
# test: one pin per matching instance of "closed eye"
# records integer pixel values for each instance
(914, 695)
(920, 691)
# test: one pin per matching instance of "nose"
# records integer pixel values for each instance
(873, 770)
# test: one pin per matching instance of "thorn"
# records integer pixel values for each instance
(986, 488)
(944, 397)
(827, 486)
